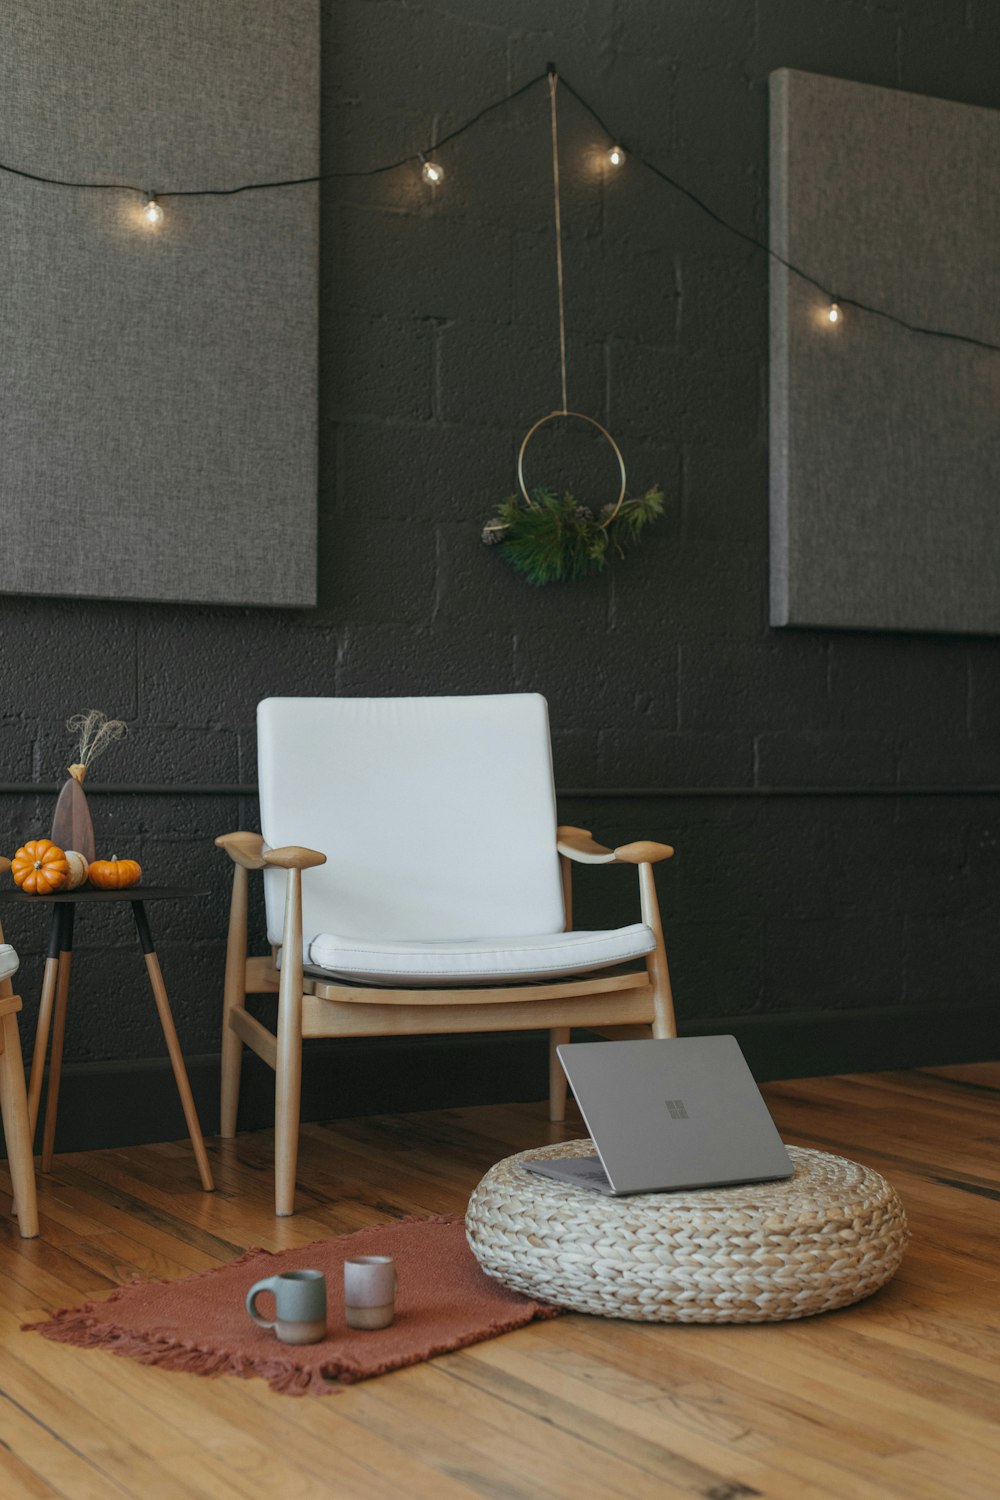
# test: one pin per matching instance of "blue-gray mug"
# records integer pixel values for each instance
(299, 1306)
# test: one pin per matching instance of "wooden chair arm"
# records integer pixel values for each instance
(248, 850)
(578, 845)
(294, 857)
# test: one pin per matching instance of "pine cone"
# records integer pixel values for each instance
(607, 511)
(494, 531)
(583, 513)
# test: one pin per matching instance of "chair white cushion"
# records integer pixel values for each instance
(9, 961)
(479, 960)
(437, 816)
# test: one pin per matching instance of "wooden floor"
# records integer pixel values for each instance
(899, 1396)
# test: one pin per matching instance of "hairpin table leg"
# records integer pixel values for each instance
(58, 1037)
(173, 1045)
(45, 1014)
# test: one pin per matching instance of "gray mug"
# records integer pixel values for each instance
(299, 1306)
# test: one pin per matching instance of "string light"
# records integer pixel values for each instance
(431, 172)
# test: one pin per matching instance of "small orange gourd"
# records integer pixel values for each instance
(39, 867)
(115, 874)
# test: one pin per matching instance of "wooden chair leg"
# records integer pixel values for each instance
(16, 1129)
(234, 999)
(288, 1061)
(558, 1037)
(664, 1021)
(287, 1106)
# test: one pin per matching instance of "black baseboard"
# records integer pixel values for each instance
(128, 1103)
(816, 1044)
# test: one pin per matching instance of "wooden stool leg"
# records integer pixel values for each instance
(45, 1015)
(173, 1046)
(58, 1037)
(558, 1037)
(17, 1132)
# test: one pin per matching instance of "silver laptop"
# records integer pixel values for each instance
(667, 1114)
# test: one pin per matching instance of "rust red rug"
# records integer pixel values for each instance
(200, 1324)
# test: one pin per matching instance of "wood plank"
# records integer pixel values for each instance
(895, 1399)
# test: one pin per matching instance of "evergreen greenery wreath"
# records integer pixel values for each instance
(554, 540)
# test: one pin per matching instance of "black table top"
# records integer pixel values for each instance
(91, 893)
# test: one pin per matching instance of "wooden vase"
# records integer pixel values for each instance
(71, 826)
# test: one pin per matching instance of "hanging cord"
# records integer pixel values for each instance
(557, 215)
(564, 410)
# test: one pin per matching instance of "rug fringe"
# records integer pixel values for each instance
(86, 1332)
(77, 1327)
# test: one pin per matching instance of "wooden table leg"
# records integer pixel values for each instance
(58, 1037)
(45, 1014)
(173, 1046)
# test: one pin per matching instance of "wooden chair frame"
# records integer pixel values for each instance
(615, 1002)
(14, 1107)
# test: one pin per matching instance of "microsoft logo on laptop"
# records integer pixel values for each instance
(676, 1108)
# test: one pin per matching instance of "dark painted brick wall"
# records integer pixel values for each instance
(438, 348)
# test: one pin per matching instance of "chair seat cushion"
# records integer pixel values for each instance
(478, 961)
(9, 961)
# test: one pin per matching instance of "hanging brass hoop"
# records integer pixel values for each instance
(581, 417)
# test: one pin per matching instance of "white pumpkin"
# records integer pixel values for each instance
(78, 869)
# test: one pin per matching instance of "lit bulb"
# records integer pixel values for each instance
(616, 156)
(152, 213)
(833, 313)
(432, 173)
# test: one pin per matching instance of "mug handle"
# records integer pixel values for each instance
(267, 1285)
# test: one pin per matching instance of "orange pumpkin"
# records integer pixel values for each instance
(39, 868)
(115, 874)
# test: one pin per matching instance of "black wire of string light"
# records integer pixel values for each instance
(837, 299)
(283, 182)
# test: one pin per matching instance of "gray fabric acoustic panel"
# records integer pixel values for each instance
(885, 444)
(158, 387)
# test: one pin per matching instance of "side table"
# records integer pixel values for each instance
(55, 995)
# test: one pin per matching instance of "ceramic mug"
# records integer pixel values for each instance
(299, 1306)
(370, 1287)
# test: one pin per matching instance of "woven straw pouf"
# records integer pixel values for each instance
(830, 1235)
